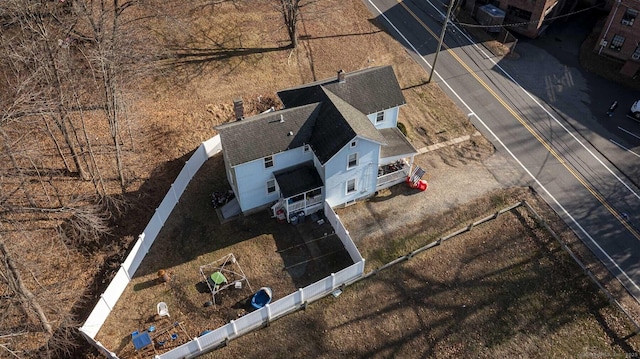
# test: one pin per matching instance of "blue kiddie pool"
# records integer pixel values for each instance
(261, 298)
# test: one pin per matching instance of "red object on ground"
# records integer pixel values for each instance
(421, 184)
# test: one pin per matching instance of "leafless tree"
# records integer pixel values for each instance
(291, 11)
(27, 299)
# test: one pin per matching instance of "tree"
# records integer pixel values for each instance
(290, 10)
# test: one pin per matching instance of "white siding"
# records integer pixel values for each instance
(337, 174)
(390, 118)
(251, 177)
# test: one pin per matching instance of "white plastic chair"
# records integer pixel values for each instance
(163, 310)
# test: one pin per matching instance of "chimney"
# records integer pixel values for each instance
(238, 108)
(341, 78)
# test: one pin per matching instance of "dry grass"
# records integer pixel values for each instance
(505, 289)
(172, 112)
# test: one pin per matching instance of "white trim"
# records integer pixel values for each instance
(275, 186)
(349, 160)
(264, 162)
(355, 186)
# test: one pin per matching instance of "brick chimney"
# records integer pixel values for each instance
(341, 78)
(238, 108)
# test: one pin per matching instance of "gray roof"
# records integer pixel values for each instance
(321, 116)
(267, 134)
(337, 124)
(298, 179)
(397, 143)
(369, 90)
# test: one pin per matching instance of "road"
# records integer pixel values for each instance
(555, 152)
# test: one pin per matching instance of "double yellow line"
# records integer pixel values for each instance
(546, 145)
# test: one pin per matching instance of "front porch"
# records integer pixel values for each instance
(396, 159)
(393, 173)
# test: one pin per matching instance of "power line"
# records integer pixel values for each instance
(463, 24)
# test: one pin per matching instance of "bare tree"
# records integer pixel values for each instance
(27, 299)
(290, 10)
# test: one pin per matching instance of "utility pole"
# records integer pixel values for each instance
(444, 29)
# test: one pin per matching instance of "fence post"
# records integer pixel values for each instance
(268, 312)
(160, 218)
(333, 281)
(105, 302)
(186, 165)
(233, 325)
(126, 272)
(301, 291)
(175, 195)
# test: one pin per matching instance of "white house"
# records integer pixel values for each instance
(335, 140)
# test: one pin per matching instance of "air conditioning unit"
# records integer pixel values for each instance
(626, 22)
(636, 56)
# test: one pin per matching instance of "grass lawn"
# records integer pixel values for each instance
(269, 253)
(503, 290)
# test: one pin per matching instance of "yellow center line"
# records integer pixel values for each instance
(535, 134)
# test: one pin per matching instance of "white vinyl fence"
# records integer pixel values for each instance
(343, 233)
(261, 317)
(127, 269)
(235, 328)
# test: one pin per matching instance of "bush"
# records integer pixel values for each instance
(402, 128)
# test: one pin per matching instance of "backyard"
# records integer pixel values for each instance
(504, 289)
(193, 244)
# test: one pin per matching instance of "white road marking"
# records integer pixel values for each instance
(624, 148)
(575, 222)
(628, 132)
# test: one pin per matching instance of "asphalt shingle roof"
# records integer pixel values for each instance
(326, 115)
(369, 90)
(267, 134)
(337, 124)
(397, 143)
(298, 179)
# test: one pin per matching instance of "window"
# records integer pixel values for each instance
(354, 144)
(268, 161)
(351, 185)
(629, 17)
(380, 117)
(307, 148)
(353, 160)
(271, 186)
(616, 42)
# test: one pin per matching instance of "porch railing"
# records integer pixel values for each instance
(397, 176)
(296, 206)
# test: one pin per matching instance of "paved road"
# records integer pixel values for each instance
(562, 155)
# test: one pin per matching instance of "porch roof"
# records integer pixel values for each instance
(298, 179)
(397, 143)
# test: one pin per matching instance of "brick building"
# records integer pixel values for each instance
(527, 15)
(620, 36)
